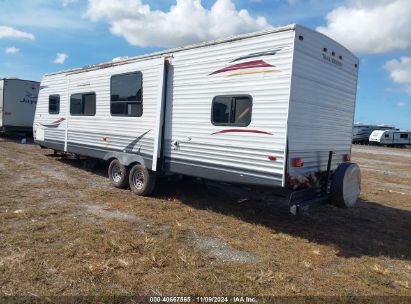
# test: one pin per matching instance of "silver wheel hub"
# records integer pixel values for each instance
(138, 179)
(116, 173)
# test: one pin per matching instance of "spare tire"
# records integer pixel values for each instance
(346, 185)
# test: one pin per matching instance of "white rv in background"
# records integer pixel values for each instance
(362, 132)
(18, 99)
(391, 138)
(259, 109)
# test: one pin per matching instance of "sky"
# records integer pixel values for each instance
(39, 37)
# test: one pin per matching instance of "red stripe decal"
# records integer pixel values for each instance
(241, 131)
(244, 65)
(58, 121)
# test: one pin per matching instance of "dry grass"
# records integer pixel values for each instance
(66, 231)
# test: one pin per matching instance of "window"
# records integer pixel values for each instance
(404, 136)
(387, 135)
(231, 110)
(83, 104)
(54, 104)
(126, 94)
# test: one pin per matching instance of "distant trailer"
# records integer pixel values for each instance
(260, 109)
(362, 132)
(391, 138)
(18, 99)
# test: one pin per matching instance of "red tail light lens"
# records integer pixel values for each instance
(298, 162)
(346, 157)
(272, 157)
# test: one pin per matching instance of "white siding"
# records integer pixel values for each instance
(19, 102)
(1, 102)
(52, 85)
(322, 102)
(191, 90)
(103, 131)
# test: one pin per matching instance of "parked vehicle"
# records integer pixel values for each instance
(260, 109)
(391, 138)
(18, 100)
(362, 132)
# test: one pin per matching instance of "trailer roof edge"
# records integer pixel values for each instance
(174, 50)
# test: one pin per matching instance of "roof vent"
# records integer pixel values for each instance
(116, 59)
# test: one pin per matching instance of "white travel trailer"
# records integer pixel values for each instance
(362, 132)
(391, 138)
(18, 99)
(259, 109)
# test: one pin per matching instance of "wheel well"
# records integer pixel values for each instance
(110, 160)
(134, 163)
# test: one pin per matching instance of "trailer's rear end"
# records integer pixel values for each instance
(321, 110)
(18, 104)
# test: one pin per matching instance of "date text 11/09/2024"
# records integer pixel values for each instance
(238, 299)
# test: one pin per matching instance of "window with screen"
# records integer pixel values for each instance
(54, 104)
(83, 104)
(231, 110)
(404, 136)
(126, 91)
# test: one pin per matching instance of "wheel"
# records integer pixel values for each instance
(141, 180)
(346, 185)
(118, 174)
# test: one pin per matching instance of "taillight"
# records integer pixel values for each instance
(346, 157)
(272, 157)
(298, 162)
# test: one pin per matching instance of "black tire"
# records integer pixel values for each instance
(142, 181)
(347, 174)
(118, 174)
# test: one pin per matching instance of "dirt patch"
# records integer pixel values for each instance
(219, 249)
(114, 214)
(383, 151)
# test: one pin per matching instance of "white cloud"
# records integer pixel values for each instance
(11, 50)
(188, 21)
(67, 2)
(371, 26)
(9, 32)
(60, 58)
(402, 104)
(400, 72)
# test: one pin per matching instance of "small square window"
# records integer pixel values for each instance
(231, 110)
(83, 104)
(54, 104)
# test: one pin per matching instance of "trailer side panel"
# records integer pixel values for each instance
(257, 69)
